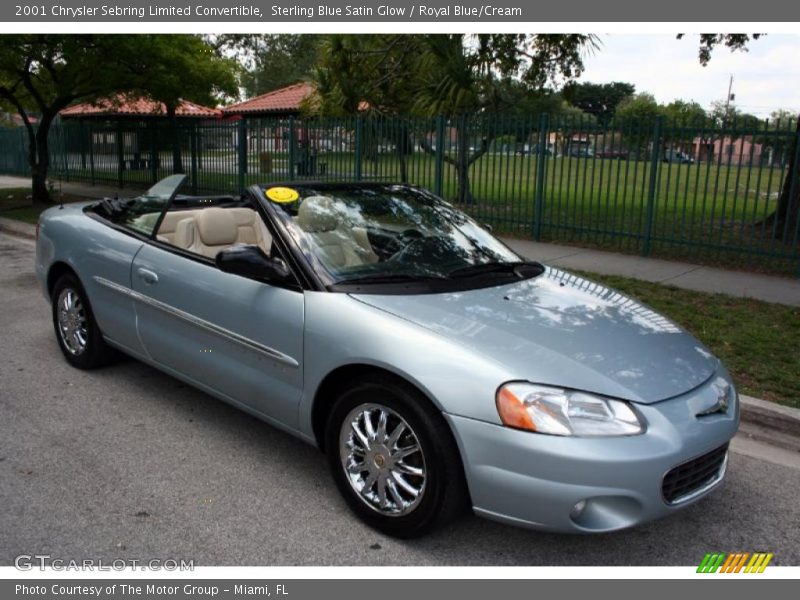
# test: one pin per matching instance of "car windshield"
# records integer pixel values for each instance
(369, 233)
(142, 212)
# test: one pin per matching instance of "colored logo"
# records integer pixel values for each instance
(736, 562)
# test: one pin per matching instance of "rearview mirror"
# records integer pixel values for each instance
(251, 262)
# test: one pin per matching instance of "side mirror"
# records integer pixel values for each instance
(251, 262)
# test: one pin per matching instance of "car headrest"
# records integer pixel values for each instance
(184, 233)
(318, 214)
(216, 227)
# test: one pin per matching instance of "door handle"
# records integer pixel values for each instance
(147, 276)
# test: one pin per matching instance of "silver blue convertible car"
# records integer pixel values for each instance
(436, 368)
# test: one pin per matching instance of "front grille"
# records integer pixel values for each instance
(693, 475)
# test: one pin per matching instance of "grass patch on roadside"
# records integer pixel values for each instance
(757, 341)
(16, 203)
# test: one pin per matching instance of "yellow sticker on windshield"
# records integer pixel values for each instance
(282, 194)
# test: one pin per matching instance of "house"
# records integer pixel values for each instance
(135, 109)
(283, 102)
(268, 121)
(119, 126)
(728, 150)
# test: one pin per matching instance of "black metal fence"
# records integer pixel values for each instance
(705, 192)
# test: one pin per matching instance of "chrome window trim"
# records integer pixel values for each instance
(202, 323)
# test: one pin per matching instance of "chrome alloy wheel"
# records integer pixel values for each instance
(382, 459)
(72, 324)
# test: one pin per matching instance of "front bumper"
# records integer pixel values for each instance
(535, 480)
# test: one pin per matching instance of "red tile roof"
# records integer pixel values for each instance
(145, 107)
(286, 99)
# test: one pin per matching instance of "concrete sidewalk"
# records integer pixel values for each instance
(74, 188)
(781, 290)
(770, 288)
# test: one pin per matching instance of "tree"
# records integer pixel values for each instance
(634, 118)
(598, 99)
(271, 61)
(684, 114)
(172, 68)
(784, 220)
(42, 74)
(460, 77)
(683, 119)
(639, 108)
(775, 135)
(725, 115)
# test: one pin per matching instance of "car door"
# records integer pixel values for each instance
(237, 337)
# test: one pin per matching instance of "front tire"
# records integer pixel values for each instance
(393, 458)
(76, 329)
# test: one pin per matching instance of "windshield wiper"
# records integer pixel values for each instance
(520, 269)
(389, 278)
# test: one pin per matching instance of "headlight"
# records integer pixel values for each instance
(558, 411)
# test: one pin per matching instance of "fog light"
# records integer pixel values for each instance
(577, 509)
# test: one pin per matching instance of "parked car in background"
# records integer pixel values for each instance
(677, 156)
(436, 368)
(617, 154)
(580, 152)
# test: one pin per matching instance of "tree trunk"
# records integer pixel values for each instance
(403, 166)
(788, 211)
(39, 159)
(463, 162)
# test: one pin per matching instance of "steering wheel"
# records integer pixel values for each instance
(411, 234)
(412, 247)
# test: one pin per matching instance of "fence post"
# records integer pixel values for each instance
(82, 138)
(438, 186)
(193, 150)
(655, 161)
(153, 152)
(538, 207)
(91, 153)
(359, 146)
(120, 155)
(241, 140)
(292, 148)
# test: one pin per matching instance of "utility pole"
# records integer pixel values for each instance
(728, 99)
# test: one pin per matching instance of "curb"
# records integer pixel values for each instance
(769, 415)
(18, 228)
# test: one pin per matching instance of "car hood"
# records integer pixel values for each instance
(559, 329)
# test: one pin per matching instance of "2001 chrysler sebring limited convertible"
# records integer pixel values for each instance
(433, 365)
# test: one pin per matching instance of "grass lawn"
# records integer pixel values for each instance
(756, 340)
(709, 212)
(15, 203)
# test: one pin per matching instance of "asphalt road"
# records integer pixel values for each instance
(126, 462)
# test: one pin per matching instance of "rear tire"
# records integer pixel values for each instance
(76, 329)
(370, 440)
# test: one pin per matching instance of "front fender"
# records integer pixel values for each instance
(341, 331)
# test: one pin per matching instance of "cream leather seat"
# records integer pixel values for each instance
(209, 230)
(251, 228)
(319, 217)
(169, 225)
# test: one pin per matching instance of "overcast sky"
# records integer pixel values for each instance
(764, 79)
